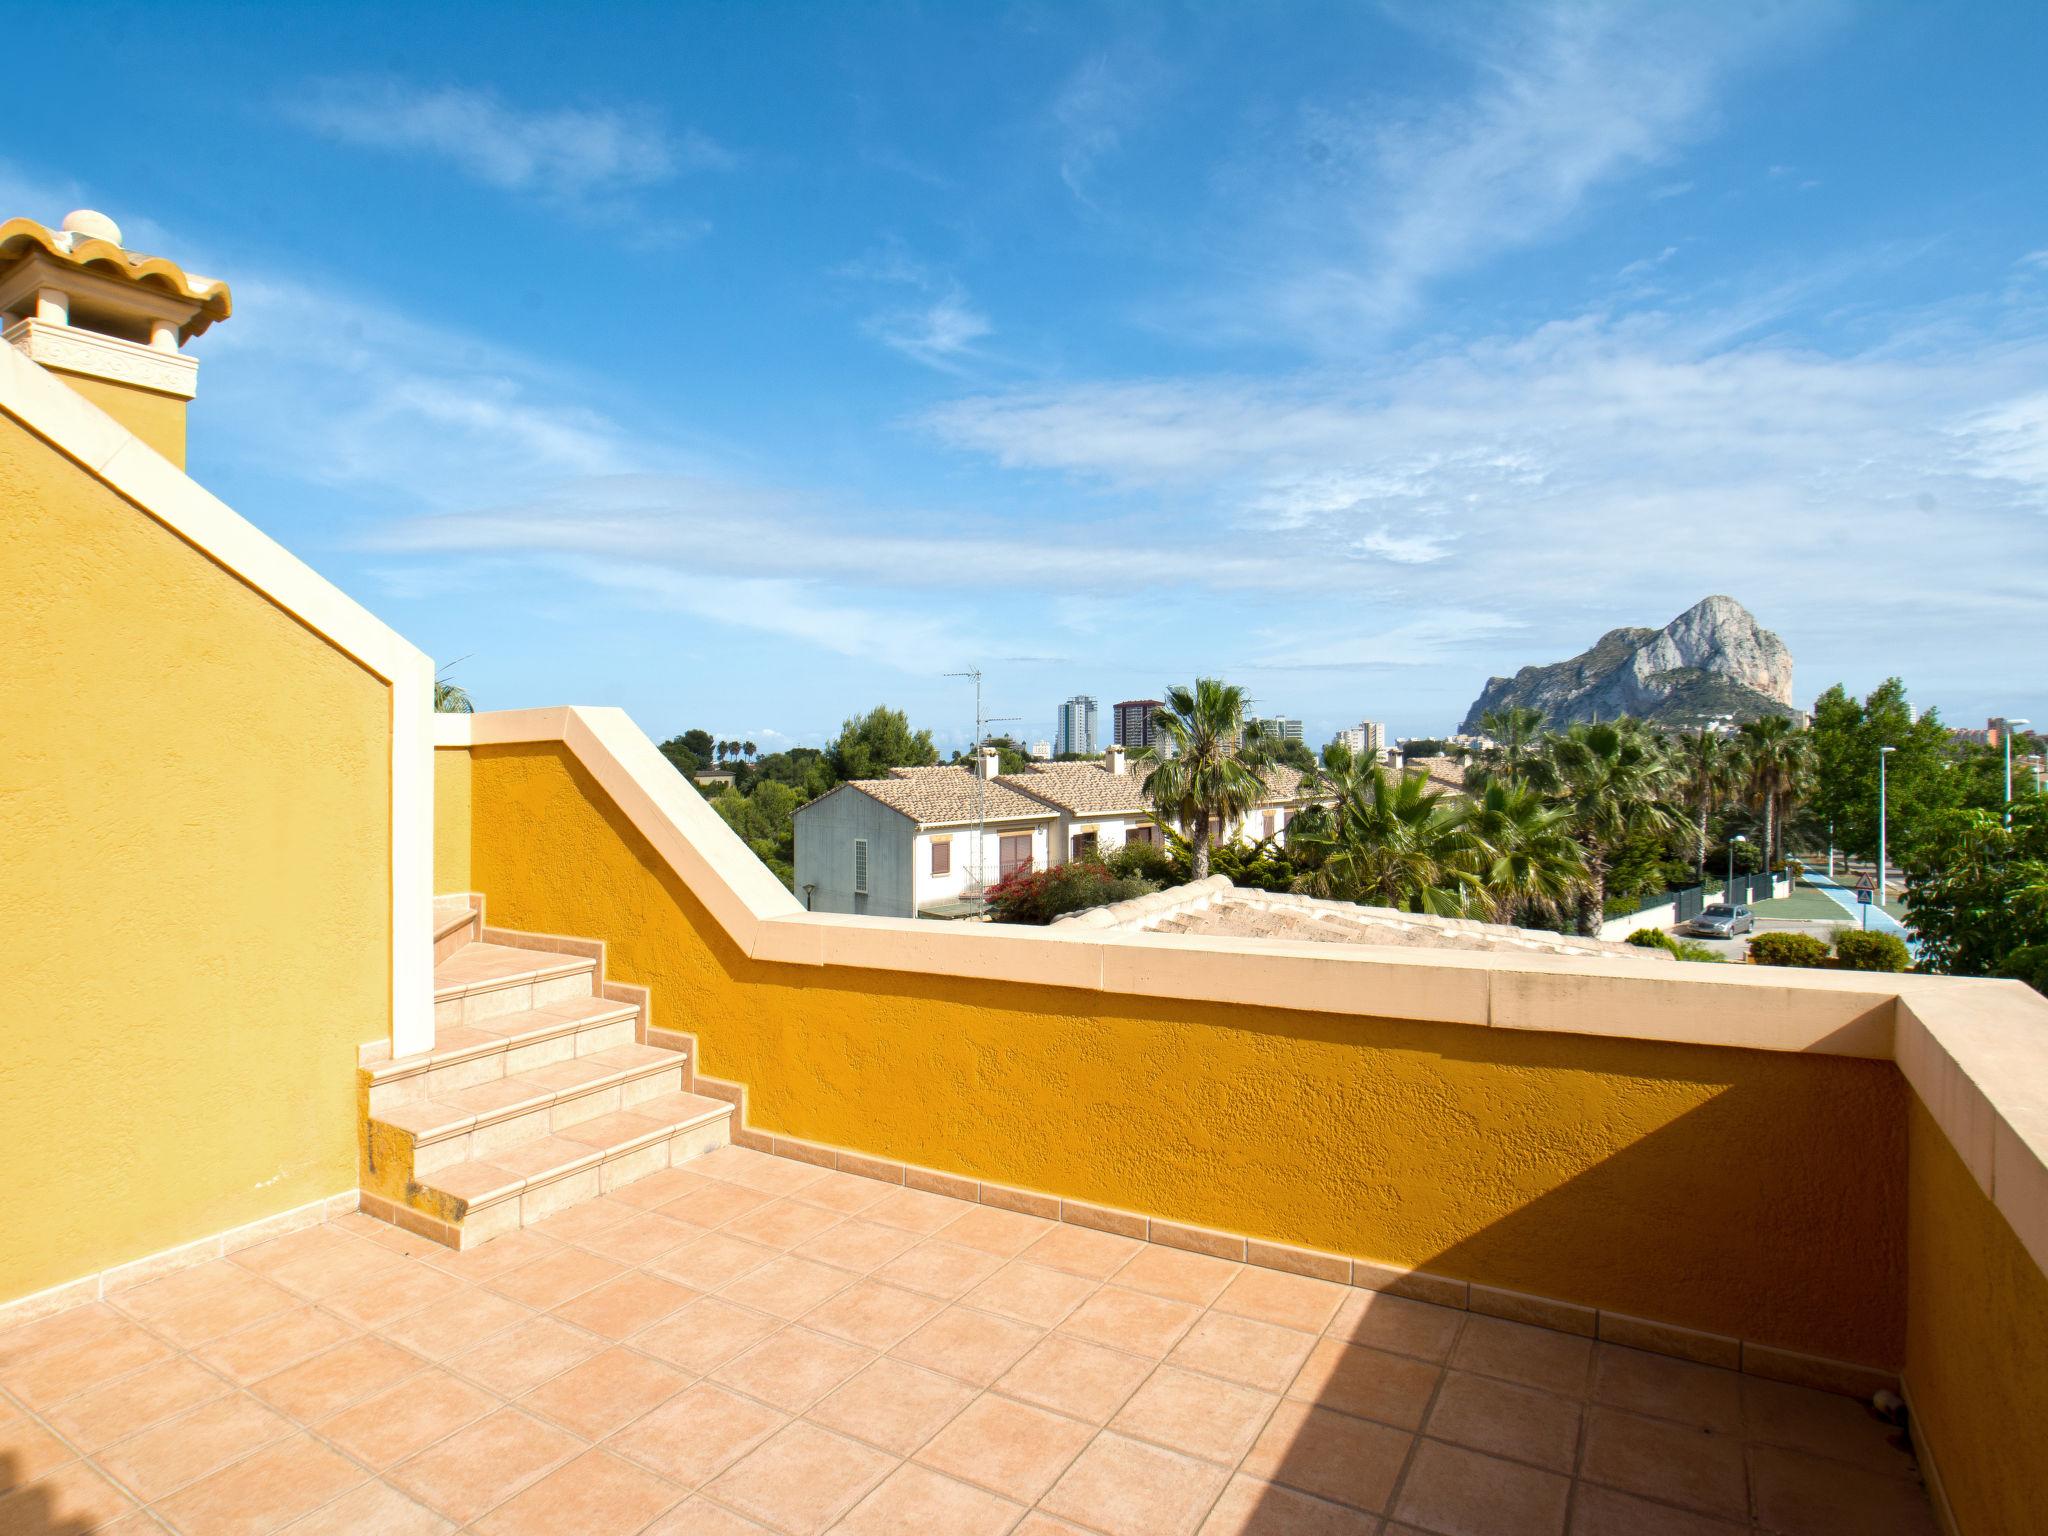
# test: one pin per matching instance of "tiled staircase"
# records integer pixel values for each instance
(540, 1092)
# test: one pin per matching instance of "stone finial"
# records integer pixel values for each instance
(92, 225)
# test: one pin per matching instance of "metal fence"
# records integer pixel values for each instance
(1687, 904)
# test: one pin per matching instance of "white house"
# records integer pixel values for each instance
(1102, 805)
(919, 840)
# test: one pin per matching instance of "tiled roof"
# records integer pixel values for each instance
(22, 237)
(1444, 772)
(1083, 788)
(946, 796)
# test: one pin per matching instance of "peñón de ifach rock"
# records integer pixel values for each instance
(1713, 661)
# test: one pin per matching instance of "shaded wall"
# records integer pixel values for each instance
(1976, 1342)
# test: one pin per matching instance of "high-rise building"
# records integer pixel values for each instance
(1280, 727)
(1134, 722)
(1368, 736)
(1041, 750)
(1076, 731)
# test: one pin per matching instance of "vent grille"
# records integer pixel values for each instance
(860, 866)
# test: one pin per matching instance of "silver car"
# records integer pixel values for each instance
(1719, 922)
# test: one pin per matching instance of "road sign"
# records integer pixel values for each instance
(1863, 895)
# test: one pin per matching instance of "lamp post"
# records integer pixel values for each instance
(1882, 754)
(2007, 734)
(1728, 885)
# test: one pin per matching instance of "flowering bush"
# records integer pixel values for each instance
(1040, 895)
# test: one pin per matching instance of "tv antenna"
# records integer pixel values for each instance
(978, 870)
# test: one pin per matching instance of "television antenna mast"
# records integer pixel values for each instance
(978, 870)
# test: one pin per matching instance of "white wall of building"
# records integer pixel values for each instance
(959, 880)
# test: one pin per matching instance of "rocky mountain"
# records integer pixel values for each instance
(1713, 660)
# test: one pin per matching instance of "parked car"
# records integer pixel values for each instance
(1720, 922)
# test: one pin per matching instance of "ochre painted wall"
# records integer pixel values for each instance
(194, 886)
(159, 420)
(1976, 1342)
(1750, 1193)
(451, 821)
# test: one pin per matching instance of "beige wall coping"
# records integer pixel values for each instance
(1975, 1051)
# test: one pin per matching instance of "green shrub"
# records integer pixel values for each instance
(2028, 963)
(1787, 949)
(1141, 861)
(1686, 949)
(1859, 950)
(1040, 895)
(1652, 938)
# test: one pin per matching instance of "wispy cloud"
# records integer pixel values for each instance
(1564, 101)
(568, 155)
(1100, 102)
(939, 326)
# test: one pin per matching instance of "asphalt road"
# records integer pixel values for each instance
(1736, 948)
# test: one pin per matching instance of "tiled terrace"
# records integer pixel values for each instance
(756, 1344)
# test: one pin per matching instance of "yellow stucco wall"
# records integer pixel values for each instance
(451, 821)
(1976, 1342)
(194, 886)
(158, 419)
(1750, 1193)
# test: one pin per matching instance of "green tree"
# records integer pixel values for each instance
(765, 821)
(1612, 778)
(1979, 890)
(1774, 758)
(690, 752)
(881, 739)
(1517, 734)
(1388, 844)
(1294, 754)
(452, 698)
(1706, 772)
(1846, 735)
(1523, 855)
(1215, 766)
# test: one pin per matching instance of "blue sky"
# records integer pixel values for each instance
(750, 365)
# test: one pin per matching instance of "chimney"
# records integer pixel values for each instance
(991, 762)
(108, 321)
(1113, 759)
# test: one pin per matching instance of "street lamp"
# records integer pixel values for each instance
(1882, 754)
(2007, 734)
(1728, 885)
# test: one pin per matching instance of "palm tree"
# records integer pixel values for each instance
(1774, 758)
(1611, 783)
(452, 698)
(1707, 772)
(1522, 855)
(1215, 766)
(1516, 732)
(1386, 844)
(747, 749)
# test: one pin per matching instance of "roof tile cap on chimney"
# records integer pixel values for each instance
(91, 224)
(90, 242)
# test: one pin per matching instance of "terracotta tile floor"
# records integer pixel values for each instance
(754, 1345)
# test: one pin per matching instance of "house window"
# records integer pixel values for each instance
(1083, 843)
(860, 866)
(1015, 854)
(942, 856)
(1145, 834)
(1270, 828)
(1215, 829)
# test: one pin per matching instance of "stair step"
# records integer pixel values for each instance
(530, 1182)
(485, 1119)
(481, 980)
(502, 1046)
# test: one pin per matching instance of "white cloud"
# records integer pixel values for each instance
(566, 154)
(1564, 101)
(1101, 101)
(939, 335)
(1598, 471)
(941, 328)
(318, 385)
